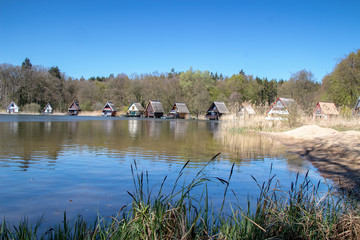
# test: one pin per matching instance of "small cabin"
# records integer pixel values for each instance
(74, 109)
(216, 110)
(109, 110)
(48, 109)
(325, 110)
(357, 107)
(135, 110)
(246, 110)
(179, 110)
(154, 109)
(280, 108)
(12, 108)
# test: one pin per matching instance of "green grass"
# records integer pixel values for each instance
(300, 212)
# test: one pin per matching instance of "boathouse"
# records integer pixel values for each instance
(246, 110)
(48, 109)
(12, 108)
(325, 110)
(154, 109)
(357, 107)
(216, 110)
(109, 110)
(135, 110)
(74, 109)
(179, 110)
(280, 108)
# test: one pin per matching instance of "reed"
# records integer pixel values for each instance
(247, 123)
(300, 211)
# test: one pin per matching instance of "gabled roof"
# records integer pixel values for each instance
(48, 106)
(357, 105)
(110, 105)
(181, 108)
(138, 107)
(12, 105)
(156, 105)
(74, 106)
(248, 109)
(221, 107)
(328, 108)
(286, 102)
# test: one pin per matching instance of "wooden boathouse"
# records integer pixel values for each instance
(154, 109)
(179, 110)
(216, 110)
(74, 109)
(135, 110)
(246, 110)
(48, 109)
(280, 108)
(325, 110)
(109, 110)
(12, 108)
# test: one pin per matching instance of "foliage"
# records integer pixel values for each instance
(303, 88)
(342, 86)
(27, 84)
(32, 108)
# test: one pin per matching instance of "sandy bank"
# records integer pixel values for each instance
(335, 154)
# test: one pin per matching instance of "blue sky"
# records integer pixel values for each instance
(96, 38)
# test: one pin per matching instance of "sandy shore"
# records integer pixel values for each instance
(335, 154)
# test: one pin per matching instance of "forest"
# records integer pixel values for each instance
(32, 87)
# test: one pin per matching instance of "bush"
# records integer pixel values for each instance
(32, 108)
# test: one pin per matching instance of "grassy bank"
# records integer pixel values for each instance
(297, 212)
(259, 123)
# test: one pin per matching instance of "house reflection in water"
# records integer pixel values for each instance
(14, 127)
(153, 128)
(133, 126)
(212, 126)
(178, 128)
(108, 127)
(47, 127)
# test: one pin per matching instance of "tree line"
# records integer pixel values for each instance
(28, 84)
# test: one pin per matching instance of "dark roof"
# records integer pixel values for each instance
(221, 107)
(110, 105)
(74, 106)
(157, 106)
(182, 108)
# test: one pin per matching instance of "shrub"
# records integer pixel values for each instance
(32, 108)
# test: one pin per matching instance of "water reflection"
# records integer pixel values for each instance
(49, 161)
(178, 140)
(179, 128)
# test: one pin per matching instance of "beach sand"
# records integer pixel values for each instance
(335, 154)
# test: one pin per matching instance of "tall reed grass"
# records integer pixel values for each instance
(300, 211)
(253, 123)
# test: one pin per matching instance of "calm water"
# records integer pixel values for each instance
(49, 164)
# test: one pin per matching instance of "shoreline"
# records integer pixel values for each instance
(336, 155)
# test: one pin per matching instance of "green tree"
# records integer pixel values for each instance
(55, 71)
(303, 88)
(26, 64)
(342, 85)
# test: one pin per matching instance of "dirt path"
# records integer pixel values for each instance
(335, 154)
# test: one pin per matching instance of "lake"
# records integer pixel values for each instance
(82, 165)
